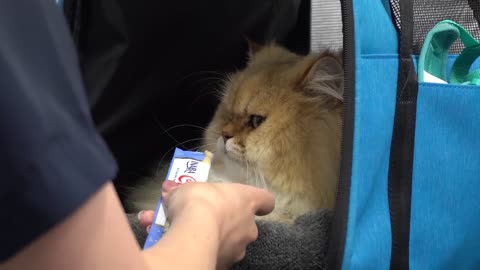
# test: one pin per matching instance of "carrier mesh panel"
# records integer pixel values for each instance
(326, 25)
(427, 13)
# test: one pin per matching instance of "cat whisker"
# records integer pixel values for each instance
(265, 186)
(213, 75)
(205, 72)
(165, 131)
(260, 179)
(201, 146)
(247, 171)
(186, 125)
(192, 126)
(215, 79)
(212, 80)
(216, 92)
(204, 84)
(256, 177)
(171, 149)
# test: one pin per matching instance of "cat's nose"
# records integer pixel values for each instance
(226, 136)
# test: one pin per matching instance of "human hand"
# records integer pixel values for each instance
(232, 207)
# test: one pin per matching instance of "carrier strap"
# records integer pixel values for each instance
(402, 147)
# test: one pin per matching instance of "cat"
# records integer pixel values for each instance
(278, 126)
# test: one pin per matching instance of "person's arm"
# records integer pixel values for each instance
(211, 226)
(98, 236)
(62, 212)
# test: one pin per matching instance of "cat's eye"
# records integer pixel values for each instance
(256, 120)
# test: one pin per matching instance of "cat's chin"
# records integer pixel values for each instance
(227, 169)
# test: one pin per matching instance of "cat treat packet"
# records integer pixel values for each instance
(185, 167)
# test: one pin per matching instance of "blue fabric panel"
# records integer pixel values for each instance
(368, 241)
(374, 30)
(445, 217)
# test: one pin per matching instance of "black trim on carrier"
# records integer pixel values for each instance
(339, 225)
(402, 148)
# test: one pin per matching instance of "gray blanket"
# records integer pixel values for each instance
(301, 246)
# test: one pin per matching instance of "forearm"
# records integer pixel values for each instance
(191, 243)
(97, 236)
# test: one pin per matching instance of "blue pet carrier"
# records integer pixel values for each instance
(410, 168)
(410, 174)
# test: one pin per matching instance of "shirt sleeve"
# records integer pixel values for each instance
(51, 156)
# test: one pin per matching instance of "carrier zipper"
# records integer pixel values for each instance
(339, 224)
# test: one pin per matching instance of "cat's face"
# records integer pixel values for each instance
(270, 112)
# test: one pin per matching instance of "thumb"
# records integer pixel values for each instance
(168, 187)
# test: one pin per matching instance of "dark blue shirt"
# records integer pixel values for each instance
(51, 157)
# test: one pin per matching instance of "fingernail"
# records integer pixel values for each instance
(148, 228)
(169, 185)
(139, 216)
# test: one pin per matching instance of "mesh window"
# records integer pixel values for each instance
(427, 13)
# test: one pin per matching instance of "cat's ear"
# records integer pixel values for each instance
(325, 78)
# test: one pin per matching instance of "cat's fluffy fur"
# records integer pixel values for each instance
(292, 146)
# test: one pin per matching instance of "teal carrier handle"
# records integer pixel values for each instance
(434, 55)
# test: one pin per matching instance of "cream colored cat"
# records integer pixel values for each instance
(278, 126)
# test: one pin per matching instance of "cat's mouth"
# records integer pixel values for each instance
(229, 150)
(237, 167)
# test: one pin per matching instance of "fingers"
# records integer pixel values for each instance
(252, 233)
(241, 255)
(145, 218)
(263, 201)
(167, 189)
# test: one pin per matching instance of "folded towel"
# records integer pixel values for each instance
(302, 245)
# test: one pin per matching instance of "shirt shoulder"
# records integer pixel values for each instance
(52, 157)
